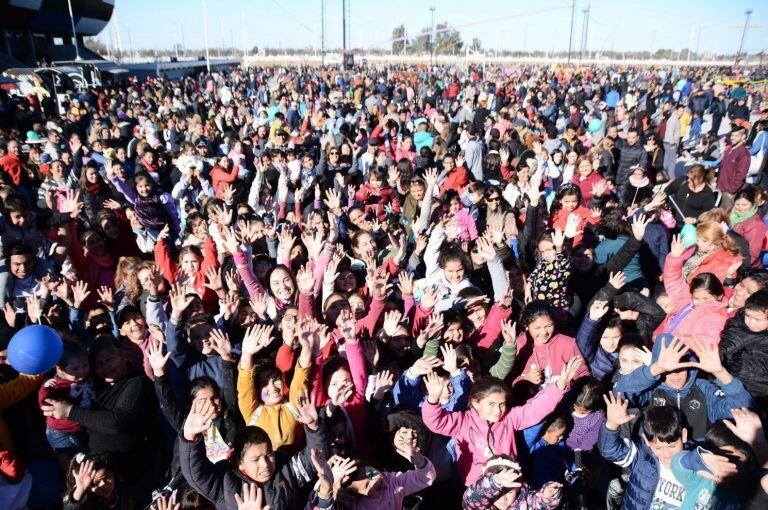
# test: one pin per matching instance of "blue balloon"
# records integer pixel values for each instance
(688, 235)
(594, 125)
(35, 350)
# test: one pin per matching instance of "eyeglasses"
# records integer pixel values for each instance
(334, 153)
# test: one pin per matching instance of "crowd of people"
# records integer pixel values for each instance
(512, 287)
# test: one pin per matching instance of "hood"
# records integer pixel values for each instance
(667, 338)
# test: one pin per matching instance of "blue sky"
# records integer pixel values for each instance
(627, 25)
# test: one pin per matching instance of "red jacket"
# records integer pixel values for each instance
(456, 180)
(220, 177)
(753, 230)
(374, 200)
(12, 166)
(561, 217)
(733, 169)
(718, 262)
(586, 185)
(171, 270)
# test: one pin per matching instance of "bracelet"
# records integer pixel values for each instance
(325, 496)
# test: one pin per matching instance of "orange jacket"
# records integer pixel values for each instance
(11, 466)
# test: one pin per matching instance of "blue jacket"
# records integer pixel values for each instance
(701, 402)
(407, 391)
(601, 362)
(642, 464)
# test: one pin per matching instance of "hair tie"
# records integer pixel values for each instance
(79, 458)
(500, 462)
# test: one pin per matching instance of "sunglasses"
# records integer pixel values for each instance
(493, 199)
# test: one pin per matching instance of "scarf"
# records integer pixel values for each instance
(94, 188)
(738, 218)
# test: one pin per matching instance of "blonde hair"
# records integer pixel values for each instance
(717, 215)
(713, 232)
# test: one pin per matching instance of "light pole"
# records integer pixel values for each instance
(432, 38)
(570, 36)
(74, 33)
(322, 32)
(747, 13)
(205, 30)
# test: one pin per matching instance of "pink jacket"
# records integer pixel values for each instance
(477, 440)
(705, 319)
(551, 357)
(395, 488)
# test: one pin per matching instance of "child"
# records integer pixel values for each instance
(501, 488)
(587, 416)
(72, 383)
(548, 455)
(744, 346)
(651, 481)
(154, 209)
(568, 201)
(701, 491)
(261, 391)
(488, 427)
(553, 268)
(377, 196)
(670, 381)
(93, 482)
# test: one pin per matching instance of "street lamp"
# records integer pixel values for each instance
(747, 13)
(74, 34)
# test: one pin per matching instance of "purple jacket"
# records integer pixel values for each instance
(733, 169)
(585, 431)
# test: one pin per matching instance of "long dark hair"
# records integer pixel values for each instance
(568, 189)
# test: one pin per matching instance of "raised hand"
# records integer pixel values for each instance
(157, 360)
(199, 419)
(509, 332)
(221, 344)
(508, 478)
(677, 248)
(229, 240)
(429, 297)
(485, 248)
(256, 338)
(639, 225)
(598, 310)
(572, 226)
(347, 323)
(405, 284)
(747, 426)
(709, 359)
(305, 280)
(83, 479)
(434, 384)
(534, 191)
(385, 380)
(616, 411)
(392, 322)
(307, 411)
(423, 366)
(80, 293)
(252, 499)
(165, 503)
(179, 299)
(558, 239)
(669, 357)
(718, 467)
(259, 304)
(568, 372)
(617, 279)
(342, 468)
(412, 454)
(324, 471)
(214, 277)
(106, 297)
(450, 362)
(333, 200)
(34, 310)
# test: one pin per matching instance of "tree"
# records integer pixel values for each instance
(448, 41)
(398, 33)
(421, 43)
(476, 45)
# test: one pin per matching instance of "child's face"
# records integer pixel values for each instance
(19, 219)
(554, 434)
(447, 393)
(103, 484)
(570, 203)
(375, 182)
(272, 392)
(610, 339)
(491, 407)
(547, 250)
(143, 188)
(21, 266)
(453, 333)
(666, 451)
(629, 360)
(756, 320)
(76, 369)
(541, 330)
(190, 264)
(405, 438)
(357, 305)
(134, 327)
(454, 271)
(665, 302)
(701, 296)
(580, 410)
(200, 339)
(258, 462)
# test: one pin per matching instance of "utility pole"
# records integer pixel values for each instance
(74, 33)
(570, 36)
(698, 40)
(432, 39)
(344, 27)
(583, 41)
(747, 13)
(690, 43)
(525, 40)
(205, 30)
(322, 32)
(183, 44)
(242, 19)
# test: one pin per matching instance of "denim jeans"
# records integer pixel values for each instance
(67, 442)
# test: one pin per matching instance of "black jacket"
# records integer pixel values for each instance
(745, 355)
(630, 156)
(221, 481)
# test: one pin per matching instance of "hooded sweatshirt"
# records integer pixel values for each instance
(551, 357)
(700, 401)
